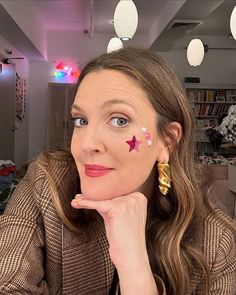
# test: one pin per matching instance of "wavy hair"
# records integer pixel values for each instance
(174, 221)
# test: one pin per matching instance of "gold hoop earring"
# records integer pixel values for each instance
(164, 177)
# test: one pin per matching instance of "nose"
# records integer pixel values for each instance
(90, 140)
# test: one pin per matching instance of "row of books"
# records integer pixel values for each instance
(211, 109)
(204, 95)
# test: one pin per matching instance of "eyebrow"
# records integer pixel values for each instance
(117, 101)
(108, 103)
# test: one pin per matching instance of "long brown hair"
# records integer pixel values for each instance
(172, 220)
(175, 220)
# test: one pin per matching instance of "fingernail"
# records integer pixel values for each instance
(75, 204)
(79, 197)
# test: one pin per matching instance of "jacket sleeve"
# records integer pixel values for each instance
(224, 268)
(21, 245)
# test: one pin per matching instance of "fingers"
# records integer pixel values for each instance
(101, 206)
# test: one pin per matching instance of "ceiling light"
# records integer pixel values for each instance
(195, 52)
(233, 23)
(114, 44)
(111, 21)
(125, 19)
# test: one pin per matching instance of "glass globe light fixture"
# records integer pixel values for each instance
(195, 52)
(125, 19)
(233, 23)
(114, 44)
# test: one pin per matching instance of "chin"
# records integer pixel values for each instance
(101, 192)
(96, 193)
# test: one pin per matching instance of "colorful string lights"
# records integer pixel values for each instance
(64, 70)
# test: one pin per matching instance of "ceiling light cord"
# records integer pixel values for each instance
(91, 30)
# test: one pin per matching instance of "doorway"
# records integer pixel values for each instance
(60, 127)
(7, 112)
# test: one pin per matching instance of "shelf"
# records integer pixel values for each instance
(206, 116)
(212, 102)
(209, 86)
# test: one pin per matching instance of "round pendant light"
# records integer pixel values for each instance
(233, 23)
(195, 52)
(125, 19)
(114, 44)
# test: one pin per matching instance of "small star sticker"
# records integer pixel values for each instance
(134, 144)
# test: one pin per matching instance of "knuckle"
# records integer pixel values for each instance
(137, 197)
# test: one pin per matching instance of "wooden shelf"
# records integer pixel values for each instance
(212, 102)
(206, 116)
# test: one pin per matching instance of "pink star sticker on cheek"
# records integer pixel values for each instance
(134, 144)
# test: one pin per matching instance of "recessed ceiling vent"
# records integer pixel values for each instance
(184, 24)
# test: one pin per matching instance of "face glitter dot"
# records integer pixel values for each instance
(147, 136)
(144, 130)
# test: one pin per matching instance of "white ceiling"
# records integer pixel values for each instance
(215, 27)
(97, 15)
(79, 15)
(69, 15)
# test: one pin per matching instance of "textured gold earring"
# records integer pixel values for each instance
(164, 177)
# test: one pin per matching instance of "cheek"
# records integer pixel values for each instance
(137, 165)
(131, 171)
(140, 163)
(74, 145)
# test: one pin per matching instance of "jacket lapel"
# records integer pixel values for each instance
(87, 267)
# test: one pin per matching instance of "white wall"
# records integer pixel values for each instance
(27, 18)
(38, 92)
(21, 134)
(218, 67)
(80, 48)
(30, 136)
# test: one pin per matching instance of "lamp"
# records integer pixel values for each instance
(125, 19)
(195, 52)
(114, 44)
(233, 23)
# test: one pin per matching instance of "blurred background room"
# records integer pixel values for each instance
(44, 44)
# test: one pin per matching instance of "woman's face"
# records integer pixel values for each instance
(109, 110)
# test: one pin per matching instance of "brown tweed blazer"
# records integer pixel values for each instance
(40, 255)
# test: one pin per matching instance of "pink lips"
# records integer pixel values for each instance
(96, 170)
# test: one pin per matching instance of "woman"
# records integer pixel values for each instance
(136, 220)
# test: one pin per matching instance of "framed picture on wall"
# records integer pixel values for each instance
(20, 98)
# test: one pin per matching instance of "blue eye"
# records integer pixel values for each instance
(119, 122)
(79, 122)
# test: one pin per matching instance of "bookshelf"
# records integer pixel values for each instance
(210, 105)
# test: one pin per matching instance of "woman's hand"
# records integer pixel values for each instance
(125, 219)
